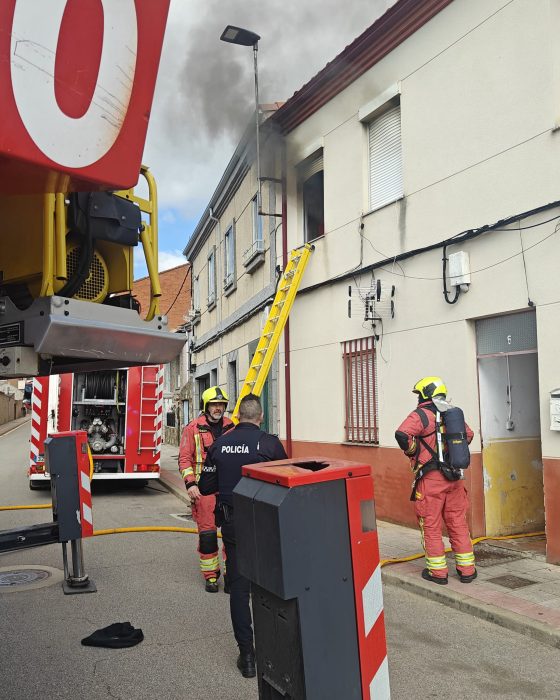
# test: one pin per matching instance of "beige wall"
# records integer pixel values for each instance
(478, 146)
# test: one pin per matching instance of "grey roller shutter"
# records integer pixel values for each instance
(385, 159)
(313, 165)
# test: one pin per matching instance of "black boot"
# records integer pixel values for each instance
(428, 577)
(211, 585)
(466, 579)
(226, 584)
(246, 664)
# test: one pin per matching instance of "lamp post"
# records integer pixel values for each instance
(244, 37)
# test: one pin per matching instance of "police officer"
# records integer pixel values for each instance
(245, 444)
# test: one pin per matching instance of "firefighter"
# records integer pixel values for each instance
(246, 444)
(438, 491)
(197, 437)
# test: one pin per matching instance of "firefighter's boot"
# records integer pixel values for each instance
(211, 585)
(426, 575)
(466, 578)
(246, 664)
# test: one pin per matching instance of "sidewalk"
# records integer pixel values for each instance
(515, 587)
(12, 425)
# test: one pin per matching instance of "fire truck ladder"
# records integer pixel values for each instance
(151, 413)
(277, 317)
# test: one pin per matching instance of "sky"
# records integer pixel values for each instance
(204, 95)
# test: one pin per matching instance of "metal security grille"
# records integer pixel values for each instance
(508, 333)
(360, 384)
(385, 159)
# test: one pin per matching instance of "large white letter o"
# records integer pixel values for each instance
(73, 143)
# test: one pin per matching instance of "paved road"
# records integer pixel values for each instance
(188, 651)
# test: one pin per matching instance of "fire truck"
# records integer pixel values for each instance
(120, 410)
(76, 86)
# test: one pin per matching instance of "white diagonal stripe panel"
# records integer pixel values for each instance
(379, 687)
(35, 434)
(85, 482)
(88, 516)
(372, 599)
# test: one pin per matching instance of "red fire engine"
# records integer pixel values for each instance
(120, 410)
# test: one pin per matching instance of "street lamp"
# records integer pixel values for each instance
(244, 37)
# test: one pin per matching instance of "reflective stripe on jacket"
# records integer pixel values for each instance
(196, 439)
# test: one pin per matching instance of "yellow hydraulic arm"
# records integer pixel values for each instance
(277, 317)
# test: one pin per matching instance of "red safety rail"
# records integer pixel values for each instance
(64, 402)
(144, 394)
(367, 588)
(158, 420)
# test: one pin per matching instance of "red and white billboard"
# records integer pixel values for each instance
(77, 79)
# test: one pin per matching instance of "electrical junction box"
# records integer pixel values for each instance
(459, 268)
(18, 361)
(555, 409)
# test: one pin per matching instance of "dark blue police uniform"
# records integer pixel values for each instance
(245, 444)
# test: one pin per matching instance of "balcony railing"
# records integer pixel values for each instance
(251, 253)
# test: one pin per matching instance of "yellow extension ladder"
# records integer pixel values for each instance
(277, 317)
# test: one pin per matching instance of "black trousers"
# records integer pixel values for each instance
(240, 589)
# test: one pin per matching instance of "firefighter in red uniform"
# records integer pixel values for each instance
(197, 437)
(437, 499)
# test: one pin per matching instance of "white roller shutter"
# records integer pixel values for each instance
(385, 159)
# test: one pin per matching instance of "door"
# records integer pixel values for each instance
(510, 424)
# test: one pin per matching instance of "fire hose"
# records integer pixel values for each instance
(194, 531)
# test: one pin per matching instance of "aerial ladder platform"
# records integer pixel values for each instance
(277, 317)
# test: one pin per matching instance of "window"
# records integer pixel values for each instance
(229, 257)
(212, 277)
(385, 158)
(254, 255)
(196, 294)
(202, 383)
(257, 222)
(312, 188)
(360, 382)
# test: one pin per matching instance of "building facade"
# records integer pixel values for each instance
(423, 164)
(233, 253)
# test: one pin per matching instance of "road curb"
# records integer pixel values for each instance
(179, 493)
(539, 631)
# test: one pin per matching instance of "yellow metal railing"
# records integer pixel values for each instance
(55, 248)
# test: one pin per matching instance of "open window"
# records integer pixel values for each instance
(311, 177)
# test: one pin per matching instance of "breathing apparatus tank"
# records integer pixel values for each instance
(454, 434)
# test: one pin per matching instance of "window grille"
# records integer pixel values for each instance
(360, 382)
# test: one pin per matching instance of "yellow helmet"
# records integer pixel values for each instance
(213, 395)
(428, 387)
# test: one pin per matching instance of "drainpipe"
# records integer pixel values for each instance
(287, 383)
(218, 277)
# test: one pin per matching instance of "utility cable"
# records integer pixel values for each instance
(189, 270)
(445, 290)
